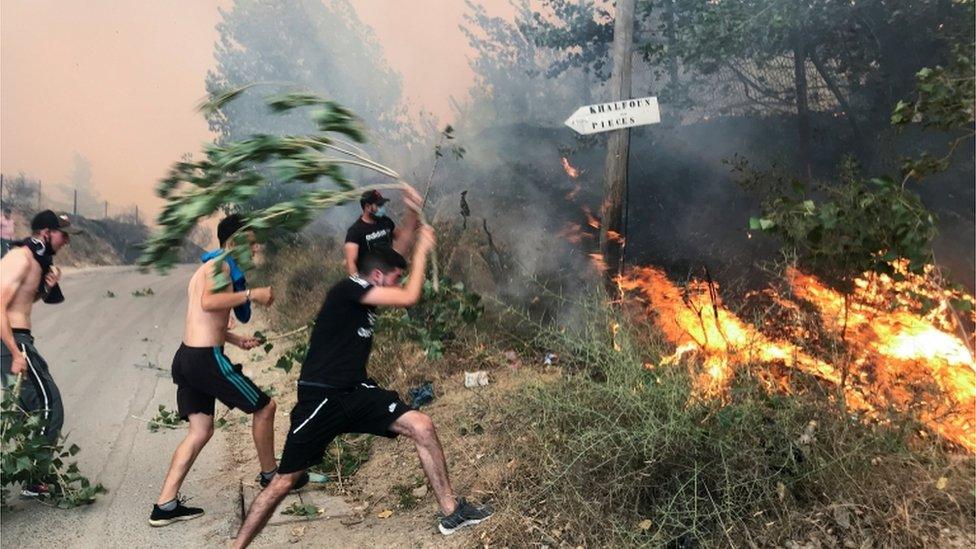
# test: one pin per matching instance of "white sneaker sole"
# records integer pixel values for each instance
(449, 531)
(167, 522)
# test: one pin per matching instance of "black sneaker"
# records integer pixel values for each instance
(38, 490)
(299, 484)
(464, 514)
(181, 512)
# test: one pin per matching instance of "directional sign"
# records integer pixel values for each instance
(616, 115)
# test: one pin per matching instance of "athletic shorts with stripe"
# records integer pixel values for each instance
(38, 393)
(203, 374)
(321, 414)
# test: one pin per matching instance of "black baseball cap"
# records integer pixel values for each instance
(56, 222)
(372, 197)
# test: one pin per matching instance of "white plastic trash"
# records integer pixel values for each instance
(476, 379)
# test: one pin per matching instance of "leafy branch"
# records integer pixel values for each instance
(232, 173)
(28, 457)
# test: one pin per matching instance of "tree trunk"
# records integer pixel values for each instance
(618, 147)
(841, 100)
(802, 108)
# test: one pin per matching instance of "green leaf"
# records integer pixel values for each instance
(284, 363)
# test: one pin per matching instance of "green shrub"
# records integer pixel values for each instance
(27, 457)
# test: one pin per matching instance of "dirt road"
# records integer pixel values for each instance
(104, 353)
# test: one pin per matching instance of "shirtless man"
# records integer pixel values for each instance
(336, 395)
(203, 374)
(28, 274)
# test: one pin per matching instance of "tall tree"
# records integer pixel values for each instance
(308, 45)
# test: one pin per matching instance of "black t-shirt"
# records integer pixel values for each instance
(371, 235)
(342, 337)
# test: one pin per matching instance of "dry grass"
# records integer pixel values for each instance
(614, 454)
(598, 450)
(301, 275)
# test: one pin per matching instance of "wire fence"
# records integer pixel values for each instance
(20, 192)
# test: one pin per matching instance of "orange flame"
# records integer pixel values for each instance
(591, 220)
(698, 322)
(574, 233)
(894, 352)
(569, 169)
(598, 262)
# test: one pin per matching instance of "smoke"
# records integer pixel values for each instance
(685, 211)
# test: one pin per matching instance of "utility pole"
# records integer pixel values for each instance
(38, 196)
(106, 210)
(618, 146)
(74, 209)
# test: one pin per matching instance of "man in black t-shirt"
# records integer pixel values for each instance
(336, 396)
(374, 229)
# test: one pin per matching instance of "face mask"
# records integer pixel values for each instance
(380, 212)
(41, 248)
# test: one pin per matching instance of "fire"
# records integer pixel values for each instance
(696, 322)
(569, 169)
(598, 262)
(574, 233)
(591, 220)
(892, 351)
(896, 349)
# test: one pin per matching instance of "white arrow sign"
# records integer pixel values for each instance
(616, 115)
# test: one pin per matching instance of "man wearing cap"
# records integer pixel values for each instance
(28, 274)
(374, 229)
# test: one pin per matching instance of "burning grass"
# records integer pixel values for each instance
(884, 354)
(624, 451)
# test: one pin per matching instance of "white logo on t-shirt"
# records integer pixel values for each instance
(378, 234)
(392, 407)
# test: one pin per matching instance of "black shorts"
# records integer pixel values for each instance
(203, 374)
(322, 414)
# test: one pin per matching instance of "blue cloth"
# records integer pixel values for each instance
(242, 312)
(424, 394)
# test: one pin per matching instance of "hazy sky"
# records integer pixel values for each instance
(117, 81)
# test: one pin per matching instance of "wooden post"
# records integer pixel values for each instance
(618, 146)
(106, 210)
(74, 209)
(802, 106)
(38, 196)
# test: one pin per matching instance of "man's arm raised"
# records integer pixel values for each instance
(403, 236)
(13, 269)
(408, 295)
